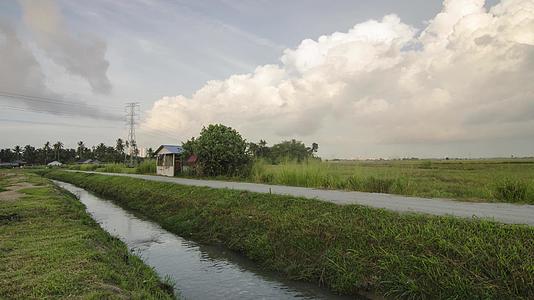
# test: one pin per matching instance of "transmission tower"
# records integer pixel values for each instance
(132, 118)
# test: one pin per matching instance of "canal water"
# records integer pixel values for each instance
(198, 271)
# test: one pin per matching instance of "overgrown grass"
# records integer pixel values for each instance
(476, 180)
(148, 166)
(348, 248)
(51, 248)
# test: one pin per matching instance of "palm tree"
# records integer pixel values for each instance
(81, 149)
(57, 147)
(46, 149)
(17, 150)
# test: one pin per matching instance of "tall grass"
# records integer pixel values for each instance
(320, 175)
(511, 190)
(147, 166)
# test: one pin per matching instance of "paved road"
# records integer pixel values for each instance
(502, 212)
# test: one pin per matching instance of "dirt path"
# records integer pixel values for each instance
(502, 212)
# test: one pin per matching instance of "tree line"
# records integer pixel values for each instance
(57, 151)
(221, 150)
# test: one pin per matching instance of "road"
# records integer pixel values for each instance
(501, 212)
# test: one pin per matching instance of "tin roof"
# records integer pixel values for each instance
(174, 149)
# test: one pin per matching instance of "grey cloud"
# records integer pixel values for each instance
(80, 54)
(22, 76)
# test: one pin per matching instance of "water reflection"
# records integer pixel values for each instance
(200, 271)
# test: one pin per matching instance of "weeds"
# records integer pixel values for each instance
(511, 190)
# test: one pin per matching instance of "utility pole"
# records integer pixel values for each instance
(132, 118)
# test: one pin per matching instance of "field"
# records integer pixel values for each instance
(351, 249)
(51, 248)
(467, 180)
(496, 180)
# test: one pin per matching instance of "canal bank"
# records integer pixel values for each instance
(346, 248)
(50, 248)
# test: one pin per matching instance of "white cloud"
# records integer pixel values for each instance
(467, 76)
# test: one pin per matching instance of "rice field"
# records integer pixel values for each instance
(503, 180)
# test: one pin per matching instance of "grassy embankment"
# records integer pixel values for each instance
(349, 248)
(51, 248)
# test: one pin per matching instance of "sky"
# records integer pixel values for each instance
(363, 79)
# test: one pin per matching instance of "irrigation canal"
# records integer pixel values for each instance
(198, 271)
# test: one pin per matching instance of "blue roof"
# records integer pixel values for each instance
(171, 148)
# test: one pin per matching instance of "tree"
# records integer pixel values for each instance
(46, 150)
(57, 148)
(81, 149)
(17, 150)
(29, 154)
(150, 153)
(120, 146)
(220, 150)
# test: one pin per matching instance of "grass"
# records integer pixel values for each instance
(51, 248)
(466, 180)
(350, 249)
(147, 166)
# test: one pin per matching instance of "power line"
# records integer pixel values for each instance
(45, 111)
(53, 123)
(49, 100)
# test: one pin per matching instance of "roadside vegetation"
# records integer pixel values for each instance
(351, 249)
(51, 248)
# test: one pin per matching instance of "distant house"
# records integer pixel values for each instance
(8, 165)
(168, 160)
(55, 163)
(89, 161)
(190, 163)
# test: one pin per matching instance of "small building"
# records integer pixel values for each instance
(89, 162)
(54, 163)
(168, 160)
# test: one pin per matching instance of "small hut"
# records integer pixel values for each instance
(55, 163)
(168, 160)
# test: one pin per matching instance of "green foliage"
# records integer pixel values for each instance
(147, 166)
(348, 248)
(50, 248)
(511, 190)
(221, 151)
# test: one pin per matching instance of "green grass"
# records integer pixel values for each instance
(350, 249)
(467, 180)
(145, 167)
(51, 248)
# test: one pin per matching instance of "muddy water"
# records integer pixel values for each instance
(199, 271)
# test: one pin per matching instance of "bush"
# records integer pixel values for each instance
(221, 151)
(511, 190)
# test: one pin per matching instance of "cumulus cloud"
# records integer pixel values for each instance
(467, 76)
(80, 54)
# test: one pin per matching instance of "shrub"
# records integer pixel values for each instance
(511, 190)
(221, 151)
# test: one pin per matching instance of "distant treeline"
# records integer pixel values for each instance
(292, 150)
(50, 152)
